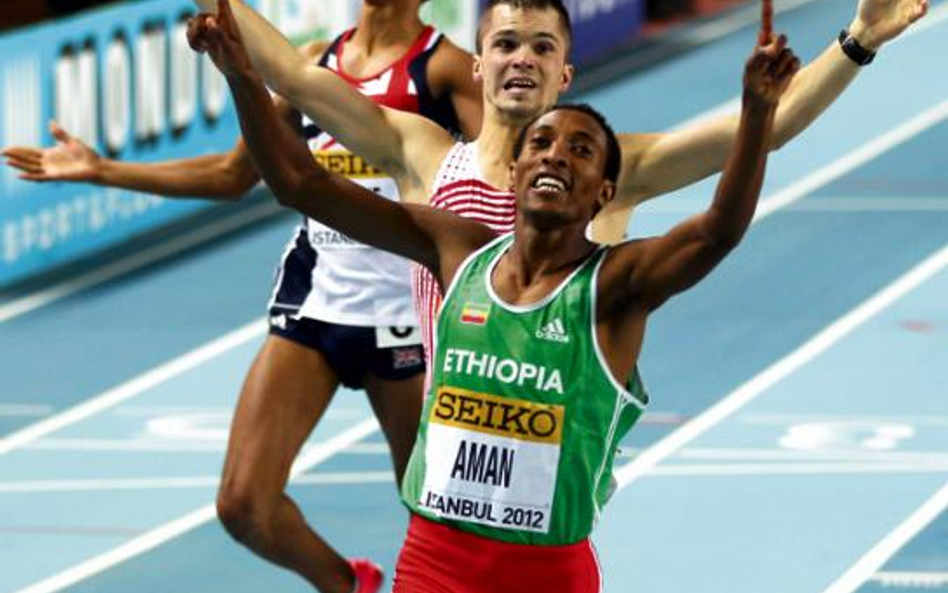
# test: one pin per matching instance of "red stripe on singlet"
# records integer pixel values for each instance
(472, 199)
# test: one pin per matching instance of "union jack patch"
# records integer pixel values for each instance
(409, 356)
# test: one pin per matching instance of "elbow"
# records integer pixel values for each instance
(292, 191)
(779, 138)
(287, 195)
(233, 195)
(790, 124)
(717, 243)
(727, 243)
(234, 181)
(242, 183)
(234, 192)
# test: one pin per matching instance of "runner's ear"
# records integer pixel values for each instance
(567, 77)
(477, 69)
(606, 194)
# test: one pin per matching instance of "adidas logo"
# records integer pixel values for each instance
(553, 331)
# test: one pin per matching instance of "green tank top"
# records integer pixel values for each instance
(522, 420)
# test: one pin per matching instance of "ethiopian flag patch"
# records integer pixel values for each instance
(475, 313)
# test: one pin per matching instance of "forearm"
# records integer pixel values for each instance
(210, 176)
(738, 191)
(272, 54)
(298, 182)
(281, 158)
(340, 110)
(812, 90)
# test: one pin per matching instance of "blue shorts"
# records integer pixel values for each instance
(353, 351)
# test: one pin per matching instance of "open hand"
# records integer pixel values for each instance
(219, 36)
(70, 159)
(769, 70)
(879, 21)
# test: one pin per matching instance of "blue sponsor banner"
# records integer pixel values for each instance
(125, 81)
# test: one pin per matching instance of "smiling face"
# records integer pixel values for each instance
(522, 62)
(559, 175)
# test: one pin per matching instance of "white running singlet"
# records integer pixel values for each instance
(353, 284)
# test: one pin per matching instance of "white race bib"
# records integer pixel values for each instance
(492, 460)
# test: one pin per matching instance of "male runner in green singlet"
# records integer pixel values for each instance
(534, 376)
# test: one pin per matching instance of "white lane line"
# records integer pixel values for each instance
(875, 558)
(677, 470)
(192, 520)
(181, 482)
(135, 386)
(25, 304)
(776, 455)
(911, 579)
(895, 204)
(794, 469)
(825, 204)
(128, 445)
(853, 160)
(784, 419)
(171, 445)
(747, 392)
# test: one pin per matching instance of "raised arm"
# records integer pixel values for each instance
(650, 271)
(385, 137)
(654, 164)
(436, 239)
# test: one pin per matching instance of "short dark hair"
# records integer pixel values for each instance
(556, 5)
(613, 150)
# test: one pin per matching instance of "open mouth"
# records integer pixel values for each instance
(520, 83)
(549, 184)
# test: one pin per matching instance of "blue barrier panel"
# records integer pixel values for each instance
(124, 80)
(600, 26)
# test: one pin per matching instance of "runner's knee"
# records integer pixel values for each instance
(243, 513)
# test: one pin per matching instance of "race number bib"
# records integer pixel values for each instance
(492, 460)
(397, 336)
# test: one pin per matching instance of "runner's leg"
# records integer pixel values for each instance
(397, 405)
(284, 395)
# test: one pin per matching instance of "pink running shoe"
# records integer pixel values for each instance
(369, 575)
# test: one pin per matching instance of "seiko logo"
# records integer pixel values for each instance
(508, 417)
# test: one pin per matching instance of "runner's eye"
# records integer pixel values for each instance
(544, 48)
(539, 142)
(505, 44)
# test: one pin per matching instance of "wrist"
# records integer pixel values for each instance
(853, 49)
(244, 74)
(99, 170)
(864, 35)
(756, 103)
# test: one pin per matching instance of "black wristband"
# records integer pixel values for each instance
(853, 50)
